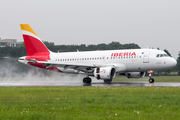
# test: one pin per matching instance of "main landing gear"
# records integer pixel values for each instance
(87, 80)
(108, 81)
(151, 80)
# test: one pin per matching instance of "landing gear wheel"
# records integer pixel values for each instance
(108, 81)
(151, 80)
(87, 80)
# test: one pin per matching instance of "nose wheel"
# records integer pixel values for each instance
(151, 80)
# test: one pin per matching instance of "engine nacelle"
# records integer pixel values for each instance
(105, 73)
(135, 74)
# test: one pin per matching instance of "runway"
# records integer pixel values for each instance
(79, 83)
(137, 84)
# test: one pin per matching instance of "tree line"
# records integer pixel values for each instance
(21, 51)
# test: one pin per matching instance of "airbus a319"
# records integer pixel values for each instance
(103, 65)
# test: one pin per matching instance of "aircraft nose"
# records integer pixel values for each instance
(173, 62)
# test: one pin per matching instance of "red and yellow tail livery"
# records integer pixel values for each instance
(33, 44)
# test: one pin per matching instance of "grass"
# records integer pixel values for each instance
(87, 103)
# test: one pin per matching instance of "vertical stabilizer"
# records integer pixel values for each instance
(33, 44)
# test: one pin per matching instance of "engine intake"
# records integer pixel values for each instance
(105, 73)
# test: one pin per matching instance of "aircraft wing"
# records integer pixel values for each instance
(82, 67)
(78, 67)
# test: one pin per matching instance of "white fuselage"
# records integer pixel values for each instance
(133, 60)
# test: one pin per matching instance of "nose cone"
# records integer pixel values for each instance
(173, 62)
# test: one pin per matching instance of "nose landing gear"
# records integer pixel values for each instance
(151, 80)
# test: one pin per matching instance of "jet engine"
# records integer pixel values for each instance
(104, 73)
(135, 74)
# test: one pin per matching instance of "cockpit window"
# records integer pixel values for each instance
(162, 55)
(167, 55)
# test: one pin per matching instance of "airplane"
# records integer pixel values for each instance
(103, 65)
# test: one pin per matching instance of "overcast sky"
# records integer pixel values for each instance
(148, 23)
